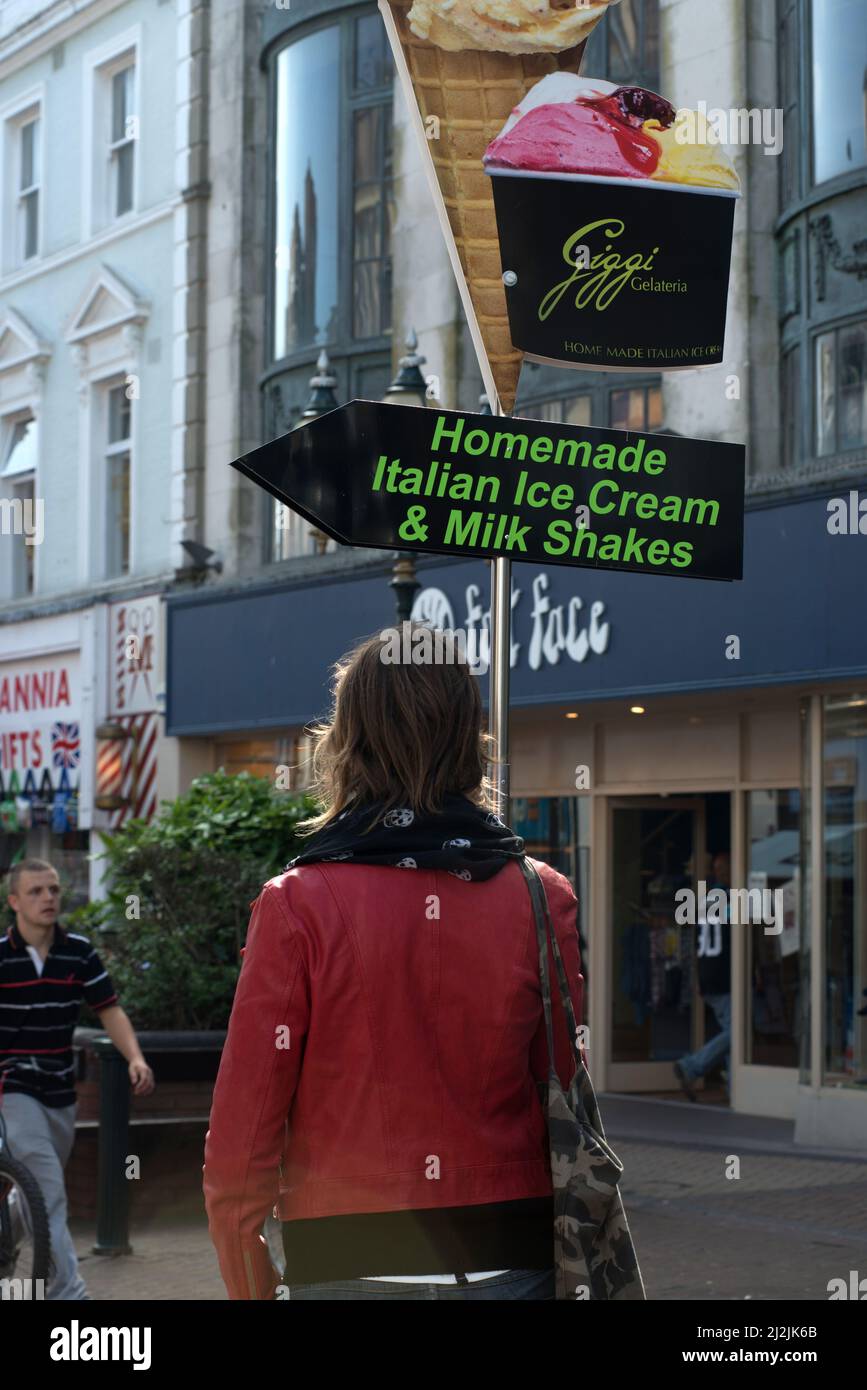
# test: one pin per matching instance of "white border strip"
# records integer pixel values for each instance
(439, 205)
(604, 180)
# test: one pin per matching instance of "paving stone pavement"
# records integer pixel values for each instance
(781, 1191)
(781, 1230)
(170, 1261)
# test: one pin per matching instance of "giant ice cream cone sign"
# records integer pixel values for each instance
(465, 65)
(589, 225)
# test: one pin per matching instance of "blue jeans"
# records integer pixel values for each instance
(535, 1284)
(697, 1064)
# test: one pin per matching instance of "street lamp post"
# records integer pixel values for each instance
(408, 388)
(500, 667)
(405, 585)
(322, 384)
(322, 399)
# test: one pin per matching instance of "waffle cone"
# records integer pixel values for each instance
(471, 93)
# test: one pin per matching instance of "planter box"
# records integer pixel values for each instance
(170, 1186)
(184, 1065)
(167, 1128)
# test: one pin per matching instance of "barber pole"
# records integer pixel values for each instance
(109, 769)
(138, 770)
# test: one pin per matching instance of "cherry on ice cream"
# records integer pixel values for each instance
(643, 105)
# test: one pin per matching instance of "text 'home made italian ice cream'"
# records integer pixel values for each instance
(573, 125)
(506, 26)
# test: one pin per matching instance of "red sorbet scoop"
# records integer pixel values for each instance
(580, 137)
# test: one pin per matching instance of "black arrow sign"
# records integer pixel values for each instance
(452, 483)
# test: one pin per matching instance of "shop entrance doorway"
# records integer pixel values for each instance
(659, 846)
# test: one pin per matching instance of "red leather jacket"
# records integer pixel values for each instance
(382, 1017)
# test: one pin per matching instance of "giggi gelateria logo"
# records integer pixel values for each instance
(601, 279)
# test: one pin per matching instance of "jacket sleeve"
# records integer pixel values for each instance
(253, 1094)
(563, 908)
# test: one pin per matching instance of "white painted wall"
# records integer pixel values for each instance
(425, 290)
(54, 53)
(704, 58)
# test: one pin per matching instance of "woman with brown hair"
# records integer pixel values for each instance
(386, 1052)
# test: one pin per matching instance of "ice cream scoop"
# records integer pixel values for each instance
(558, 88)
(689, 152)
(571, 126)
(506, 26)
(574, 125)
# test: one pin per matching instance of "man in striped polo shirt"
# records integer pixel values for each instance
(45, 973)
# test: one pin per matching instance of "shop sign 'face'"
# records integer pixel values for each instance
(556, 630)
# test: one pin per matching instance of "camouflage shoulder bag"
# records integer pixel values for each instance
(594, 1257)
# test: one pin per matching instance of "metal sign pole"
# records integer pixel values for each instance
(501, 641)
(500, 677)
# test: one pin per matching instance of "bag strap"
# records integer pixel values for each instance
(544, 931)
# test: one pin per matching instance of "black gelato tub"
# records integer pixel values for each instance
(649, 292)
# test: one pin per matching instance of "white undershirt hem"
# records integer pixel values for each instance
(433, 1278)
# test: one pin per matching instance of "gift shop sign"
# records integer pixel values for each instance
(40, 737)
(448, 483)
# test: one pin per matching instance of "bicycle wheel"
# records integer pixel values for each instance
(25, 1244)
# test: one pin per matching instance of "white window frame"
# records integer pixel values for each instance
(8, 487)
(34, 188)
(107, 349)
(99, 67)
(14, 116)
(98, 449)
(111, 449)
(128, 140)
(17, 591)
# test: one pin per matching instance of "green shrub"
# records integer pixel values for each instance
(172, 925)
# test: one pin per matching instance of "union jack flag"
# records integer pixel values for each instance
(65, 745)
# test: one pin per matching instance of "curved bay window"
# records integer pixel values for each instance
(822, 73)
(306, 193)
(624, 48)
(633, 404)
(332, 217)
(841, 389)
(839, 88)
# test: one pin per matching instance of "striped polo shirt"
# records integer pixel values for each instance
(39, 1012)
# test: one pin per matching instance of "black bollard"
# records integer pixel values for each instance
(112, 1211)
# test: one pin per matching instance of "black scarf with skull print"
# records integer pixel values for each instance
(464, 839)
